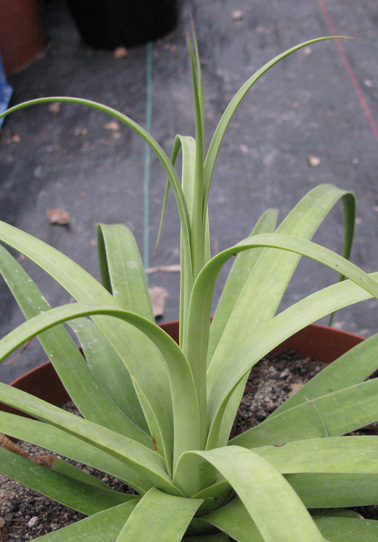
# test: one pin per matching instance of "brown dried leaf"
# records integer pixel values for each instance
(313, 161)
(8, 444)
(54, 107)
(157, 296)
(43, 460)
(164, 268)
(120, 52)
(112, 125)
(58, 216)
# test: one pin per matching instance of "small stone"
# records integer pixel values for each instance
(307, 51)
(368, 83)
(32, 521)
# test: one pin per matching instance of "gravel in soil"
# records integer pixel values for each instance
(25, 514)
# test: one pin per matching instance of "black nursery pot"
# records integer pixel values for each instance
(107, 24)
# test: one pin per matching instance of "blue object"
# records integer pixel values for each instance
(5, 91)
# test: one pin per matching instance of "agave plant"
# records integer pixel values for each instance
(157, 415)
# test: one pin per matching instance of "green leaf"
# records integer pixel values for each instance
(339, 374)
(199, 206)
(104, 363)
(57, 440)
(221, 537)
(186, 435)
(320, 490)
(331, 415)
(101, 527)
(335, 512)
(234, 519)
(130, 344)
(335, 525)
(284, 325)
(188, 149)
(263, 290)
(224, 374)
(203, 288)
(84, 389)
(238, 276)
(167, 517)
(133, 454)
(348, 529)
(272, 504)
(66, 490)
(122, 269)
(63, 467)
(338, 454)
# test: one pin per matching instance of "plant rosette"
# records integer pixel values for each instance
(157, 415)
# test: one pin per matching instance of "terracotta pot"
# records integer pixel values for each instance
(315, 341)
(22, 34)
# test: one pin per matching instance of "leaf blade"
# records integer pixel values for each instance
(77, 495)
(168, 518)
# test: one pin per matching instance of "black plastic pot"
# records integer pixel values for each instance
(107, 24)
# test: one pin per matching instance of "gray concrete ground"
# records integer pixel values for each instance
(320, 102)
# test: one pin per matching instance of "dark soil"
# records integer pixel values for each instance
(25, 514)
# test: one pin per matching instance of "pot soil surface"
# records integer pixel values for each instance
(25, 514)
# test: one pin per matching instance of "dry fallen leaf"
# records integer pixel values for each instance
(157, 296)
(237, 15)
(43, 460)
(112, 125)
(58, 216)
(164, 268)
(80, 131)
(313, 161)
(46, 461)
(54, 107)
(8, 444)
(120, 52)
